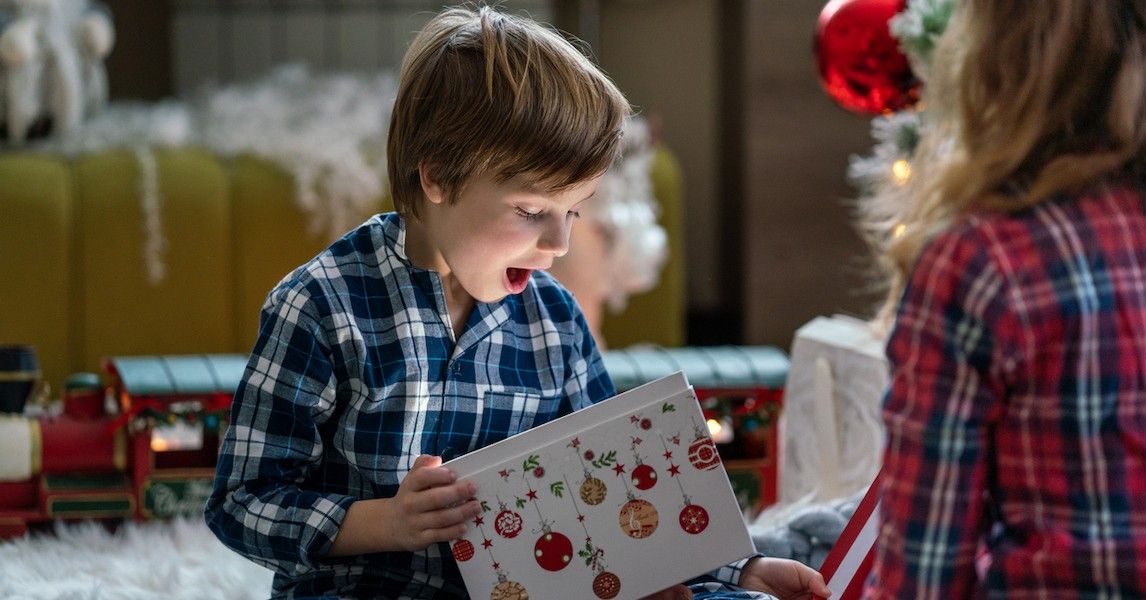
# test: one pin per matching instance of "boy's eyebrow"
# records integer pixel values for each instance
(539, 190)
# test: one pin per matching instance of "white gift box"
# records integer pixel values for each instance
(618, 500)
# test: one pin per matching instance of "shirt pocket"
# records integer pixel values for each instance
(508, 412)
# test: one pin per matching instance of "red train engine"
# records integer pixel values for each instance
(143, 446)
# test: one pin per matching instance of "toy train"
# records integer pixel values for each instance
(143, 446)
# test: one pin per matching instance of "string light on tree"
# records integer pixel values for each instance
(915, 28)
(901, 171)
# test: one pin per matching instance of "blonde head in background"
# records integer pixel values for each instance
(1025, 100)
(618, 248)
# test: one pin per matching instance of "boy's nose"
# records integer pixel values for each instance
(555, 238)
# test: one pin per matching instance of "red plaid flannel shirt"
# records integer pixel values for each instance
(1016, 413)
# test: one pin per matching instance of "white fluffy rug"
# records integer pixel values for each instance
(177, 560)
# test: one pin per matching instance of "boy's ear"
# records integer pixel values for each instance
(430, 188)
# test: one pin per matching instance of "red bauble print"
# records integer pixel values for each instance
(639, 518)
(507, 524)
(859, 61)
(553, 551)
(702, 454)
(644, 477)
(463, 550)
(693, 519)
(606, 585)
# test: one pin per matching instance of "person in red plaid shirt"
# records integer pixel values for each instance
(1015, 464)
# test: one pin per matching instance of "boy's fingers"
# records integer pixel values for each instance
(448, 517)
(427, 473)
(445, 496)
(445, 534)
(426, 460)
(429, 478)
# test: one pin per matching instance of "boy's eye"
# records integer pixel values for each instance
(532, 216)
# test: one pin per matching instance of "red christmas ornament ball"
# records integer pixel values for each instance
(693, 519)
(606, 585)
(644, 477)
(553, 551)
(860, 64)
(702, 454)
(463, 550)
(507, 524)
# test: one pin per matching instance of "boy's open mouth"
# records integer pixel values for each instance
(517, 278)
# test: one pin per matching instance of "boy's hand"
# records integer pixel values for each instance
(431, 505)
(786, 579)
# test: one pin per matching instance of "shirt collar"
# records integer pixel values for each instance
(395, 229)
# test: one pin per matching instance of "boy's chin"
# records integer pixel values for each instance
(489, 295)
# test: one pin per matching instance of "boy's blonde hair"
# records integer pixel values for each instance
(485, 92)
(1026, 100)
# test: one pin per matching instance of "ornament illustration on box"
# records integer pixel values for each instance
(606, 585)
(507, 524)
(644, 477)
(638, 518)
(553, 550)
(702, 452)
(508, 590)
(693, 518)
(463, 550)
(593, 491)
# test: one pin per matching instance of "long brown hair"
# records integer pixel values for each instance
(1026, 100)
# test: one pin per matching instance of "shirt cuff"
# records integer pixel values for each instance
(322, 526)
(730, 573)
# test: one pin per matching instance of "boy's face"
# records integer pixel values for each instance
(496, 234)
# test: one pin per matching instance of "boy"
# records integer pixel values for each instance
(429, 332)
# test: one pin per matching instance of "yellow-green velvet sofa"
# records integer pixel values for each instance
(73, 278)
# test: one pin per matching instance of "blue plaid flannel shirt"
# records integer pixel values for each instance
(354, 374)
